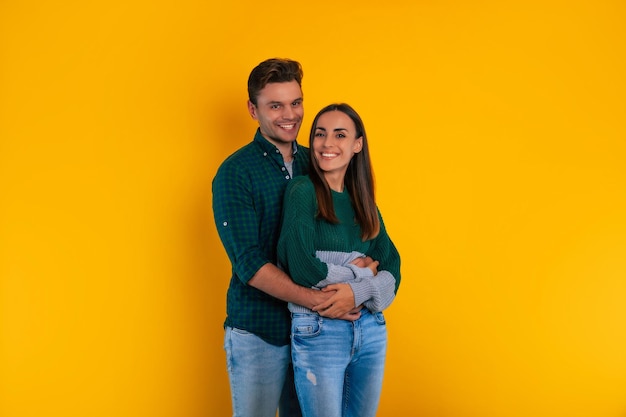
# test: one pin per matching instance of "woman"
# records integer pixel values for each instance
(333, 238)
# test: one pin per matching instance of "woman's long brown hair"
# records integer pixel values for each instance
(359, 179)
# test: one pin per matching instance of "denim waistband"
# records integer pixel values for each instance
(295, 308)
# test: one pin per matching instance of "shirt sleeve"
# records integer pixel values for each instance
(237, 221)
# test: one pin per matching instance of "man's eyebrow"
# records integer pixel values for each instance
(281, 102)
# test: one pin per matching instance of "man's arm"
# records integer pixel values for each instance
(273, 281)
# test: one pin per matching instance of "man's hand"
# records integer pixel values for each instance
(353, 314)
(339, 304)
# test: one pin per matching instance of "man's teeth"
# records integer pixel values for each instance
(291, 126)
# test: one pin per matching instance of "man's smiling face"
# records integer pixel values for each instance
(279, 111)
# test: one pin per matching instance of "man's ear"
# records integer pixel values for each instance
(252, 110)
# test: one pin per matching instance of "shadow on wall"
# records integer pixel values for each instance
(222, 133)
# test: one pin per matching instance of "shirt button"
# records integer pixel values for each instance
(264, 153)
(286, 177)
(225, 224)
(283, 168)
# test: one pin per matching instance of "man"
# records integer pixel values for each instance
(247, 204)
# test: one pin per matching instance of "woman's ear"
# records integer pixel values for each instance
(358, 145)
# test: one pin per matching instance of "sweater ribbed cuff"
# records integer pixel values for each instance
(362, 290)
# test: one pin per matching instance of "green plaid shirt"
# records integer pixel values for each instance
(247, 205)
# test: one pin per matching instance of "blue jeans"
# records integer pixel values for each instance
(261, 376)
(338, 365)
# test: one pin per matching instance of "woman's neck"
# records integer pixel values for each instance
(335, 182)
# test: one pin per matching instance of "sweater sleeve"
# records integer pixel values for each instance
(296, 245)
(384, 286)
(313, 268)
(375, 292)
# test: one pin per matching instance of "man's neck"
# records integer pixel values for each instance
(286, 150)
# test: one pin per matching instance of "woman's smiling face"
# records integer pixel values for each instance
(334, 145)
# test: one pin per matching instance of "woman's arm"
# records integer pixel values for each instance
(375, 292)
(381, 290)
(296, 245)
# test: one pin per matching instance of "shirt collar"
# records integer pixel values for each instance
(268, 147)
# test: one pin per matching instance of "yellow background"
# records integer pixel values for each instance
(499, 146)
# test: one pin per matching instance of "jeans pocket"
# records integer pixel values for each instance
(305, 325)
(379, 317)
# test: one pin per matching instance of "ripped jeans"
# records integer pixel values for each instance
(338, 364)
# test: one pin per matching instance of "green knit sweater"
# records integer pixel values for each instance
(316, 253)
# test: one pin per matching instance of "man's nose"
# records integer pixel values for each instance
(288, 112)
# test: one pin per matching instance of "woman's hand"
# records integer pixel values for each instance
(367, 262)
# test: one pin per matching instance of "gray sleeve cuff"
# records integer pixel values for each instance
(362, 290)
(375, 293)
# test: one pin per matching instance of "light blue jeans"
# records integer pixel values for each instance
(261, 376)
(338, 365)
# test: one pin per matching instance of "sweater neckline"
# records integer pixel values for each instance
(344, 193)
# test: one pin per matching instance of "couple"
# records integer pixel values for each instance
(310, 292)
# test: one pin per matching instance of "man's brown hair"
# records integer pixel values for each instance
(274, 70)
